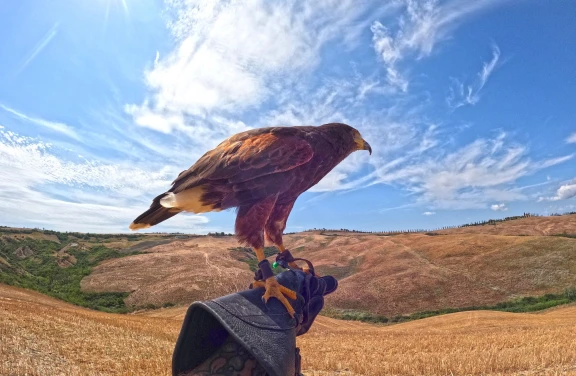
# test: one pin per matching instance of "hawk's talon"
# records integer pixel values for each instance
(257, 284)
(276, 290)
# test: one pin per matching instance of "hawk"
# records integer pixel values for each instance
(261, 173)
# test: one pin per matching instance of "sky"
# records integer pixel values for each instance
(469, 106)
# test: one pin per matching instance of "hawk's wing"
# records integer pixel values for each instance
(249, 155)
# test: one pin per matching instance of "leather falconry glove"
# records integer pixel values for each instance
(266, 330)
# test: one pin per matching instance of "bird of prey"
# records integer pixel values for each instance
(261, 172)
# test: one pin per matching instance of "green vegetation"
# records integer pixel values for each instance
(525, 304)
(340, 272)
(151, 306)
(565, 235)
(35, 264)
(247, 255)
(219, 234)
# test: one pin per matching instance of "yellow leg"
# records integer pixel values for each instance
(273, 288)
(259, 254)
(293, 265)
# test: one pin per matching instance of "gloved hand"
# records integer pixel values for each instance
(313, 289)
(265, 330)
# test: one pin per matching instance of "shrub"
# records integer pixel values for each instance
(42, 273)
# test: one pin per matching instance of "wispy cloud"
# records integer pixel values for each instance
(428, 213)
(42, 43)
(571, 139)
(415, 32)
(468, 177)
(55, 126)
(499, 207)
(461, 94)
(233, 56)
(38, 187)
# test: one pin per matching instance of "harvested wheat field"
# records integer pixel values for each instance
(43, 336)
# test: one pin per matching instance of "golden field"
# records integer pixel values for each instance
(43, 336)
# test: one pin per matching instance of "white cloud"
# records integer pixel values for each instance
(256, 62)
(499, 207)
(411, 153)
(232, 56)
(386, 46)
(418, 29)
(145, 117)
(488, 67)
(34, 162)
(39, 188)
(461, 94)
(468, 177)
(52, 125)
(571, 139)
(565, 192)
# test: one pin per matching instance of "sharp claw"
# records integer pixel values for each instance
(257, 284)
(276, 290)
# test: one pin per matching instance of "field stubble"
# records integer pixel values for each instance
(43, 336)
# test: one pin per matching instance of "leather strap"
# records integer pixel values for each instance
(264, 271)
(284, 258)
(298, 362)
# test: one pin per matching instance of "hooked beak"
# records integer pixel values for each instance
(367, 147)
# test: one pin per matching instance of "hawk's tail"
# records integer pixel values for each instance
(156, 214)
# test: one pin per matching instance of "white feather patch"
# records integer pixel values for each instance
(189, 200)
(169, 201)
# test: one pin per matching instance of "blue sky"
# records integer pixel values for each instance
(469, 106)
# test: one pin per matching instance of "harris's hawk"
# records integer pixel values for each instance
(261, 172)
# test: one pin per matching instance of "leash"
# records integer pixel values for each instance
(284, 258)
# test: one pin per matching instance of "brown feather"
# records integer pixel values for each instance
(261, 172)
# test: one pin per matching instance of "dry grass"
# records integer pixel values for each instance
(387, 275)
(464, 343)
(403, 274)
(178, 272)
(524, 226)
(43, 336)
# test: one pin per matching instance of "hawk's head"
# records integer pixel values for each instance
(349, 137)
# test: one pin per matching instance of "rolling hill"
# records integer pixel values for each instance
(384, 275)
(380, 274)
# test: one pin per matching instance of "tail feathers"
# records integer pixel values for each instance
(156, 214)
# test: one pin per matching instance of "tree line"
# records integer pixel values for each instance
(430, 231)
